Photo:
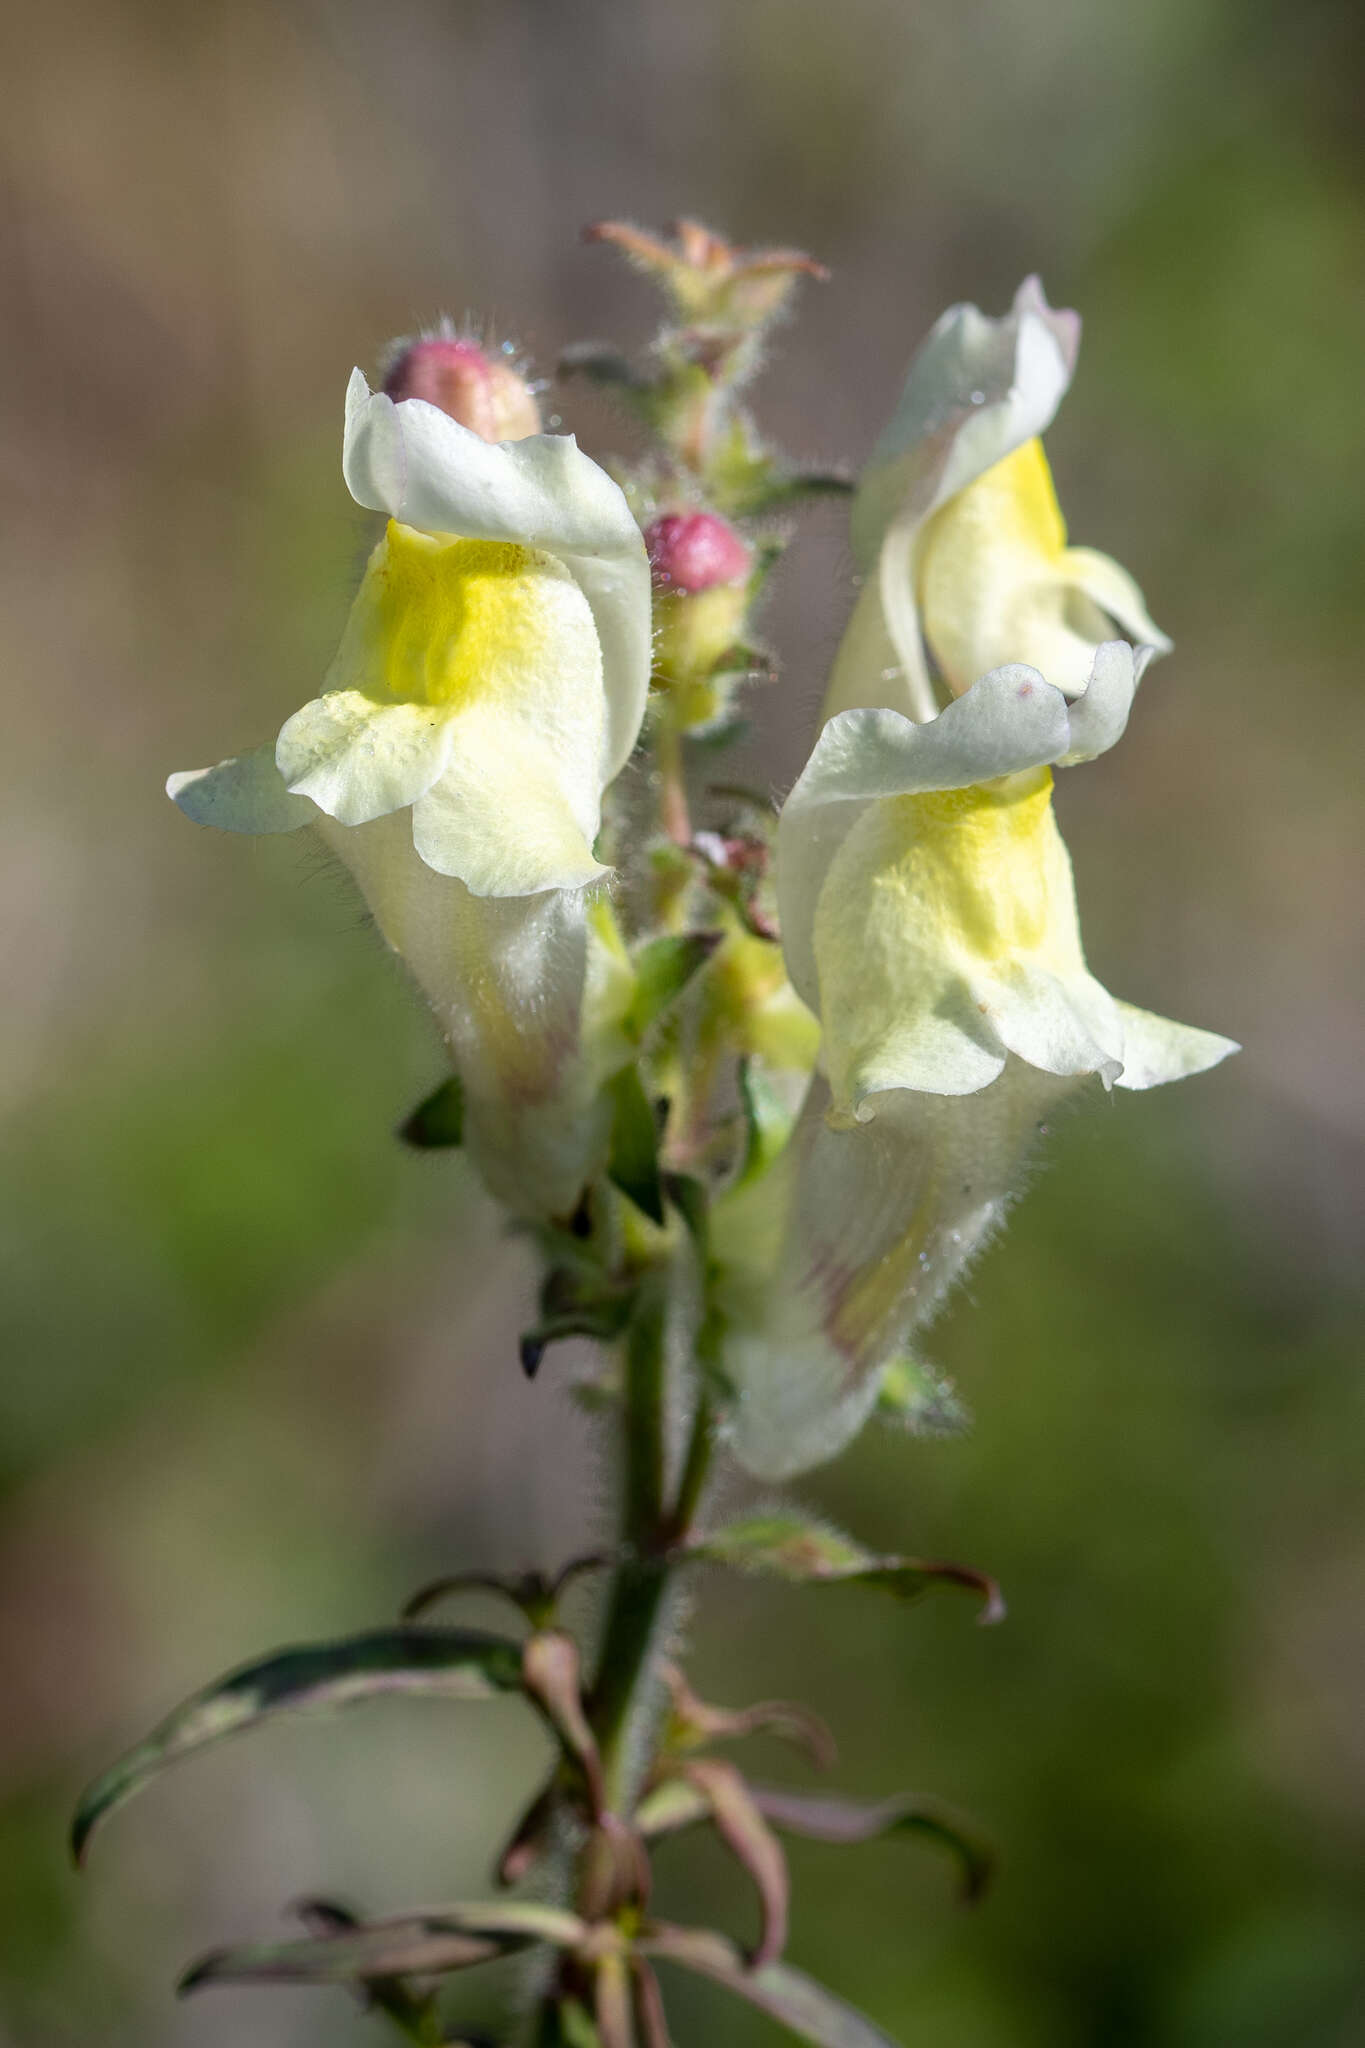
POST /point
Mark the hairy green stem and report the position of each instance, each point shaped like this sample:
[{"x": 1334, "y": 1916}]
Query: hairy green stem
[{"x": 653, "y": 1527}]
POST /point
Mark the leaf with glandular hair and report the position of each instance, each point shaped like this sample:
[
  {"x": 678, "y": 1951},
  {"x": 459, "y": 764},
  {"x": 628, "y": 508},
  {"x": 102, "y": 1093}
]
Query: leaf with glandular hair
[
  {"x": 832, "y": 1819},
  {"x": 803, "y": 1551},
  {"x": 412, "y": 1944},
  {"x": 633, "y": 1162},
  {"x": 552, "y": 1675},
  {"x": 916, "y": 1398},
  {"x": 788, "y": 1996},
  {"x": 695, "y": 1721},
  {"x": 461, "y": 1664},
  {"x": 439, "y": 1119},
  {"x": 663, "y": 968},
  {"x": 747, "y": 1835}
]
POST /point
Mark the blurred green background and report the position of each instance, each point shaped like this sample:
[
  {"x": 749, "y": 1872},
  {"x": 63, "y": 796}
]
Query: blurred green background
[{"x": 259, "y": 1374}]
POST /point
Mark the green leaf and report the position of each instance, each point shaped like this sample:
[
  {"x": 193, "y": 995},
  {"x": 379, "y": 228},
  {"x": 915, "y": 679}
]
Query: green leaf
[
  {"x": 459, "y": 1664},
  {"x": 767, "y": 1122},
  {"x": 417, "y": 1944},
  {"x": 788, "y": 1996},
  {"x": 821, "y": 1818},
  {"x": 633, "y": 1163},
  {"x": 803, "y": 1551},
  {"x": 921, "y": 1400},
  {"x": 439, "y": 1120},
  {"x": 663, "y": 968}
]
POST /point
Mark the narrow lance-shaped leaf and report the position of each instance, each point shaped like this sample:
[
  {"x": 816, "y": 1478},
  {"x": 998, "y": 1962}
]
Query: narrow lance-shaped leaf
[
  {"x": 415, "y": 2013},
  {"x": 663, "y": 968},
  {"x": 747, "y": 1835},
  {"x": 787, "y": 1995},
  {"x": 803, "y": 1551},
  {"x": 448, "y": 1663},
  {"x": 822, "y": 1818},
  {"x": 412, "y": 1944},
  {"x": 634, "y": 1159},
  {"x": 694, "y": 1722},
  {"x": 552, "y": 1675}
]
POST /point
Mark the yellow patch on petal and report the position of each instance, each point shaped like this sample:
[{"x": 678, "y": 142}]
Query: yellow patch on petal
[
  {"x": 980, "y": 864},
  {"x": 931, "y": 908},
  {"x": 989, "y": 578},
  {"x": 440, "y": 620}
]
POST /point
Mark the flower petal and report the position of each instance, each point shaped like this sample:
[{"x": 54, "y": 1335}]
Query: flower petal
[
  {"x": 1156, "y": 1050},
  {"x": 851, "y": 1240},
  {"x": 358, "y": 758},
  {"x": 246, "y": 794},
  {"x": 1099, "y": 716},
  {"x": 1008, "y": 721},
  {"x": 977, "y": 389},
  {"x": 508, "y": 816},
  {"x": 509, "y": 980},
  {"x": 414, "y": 462},
  {"x": 1109, "y": 586}
]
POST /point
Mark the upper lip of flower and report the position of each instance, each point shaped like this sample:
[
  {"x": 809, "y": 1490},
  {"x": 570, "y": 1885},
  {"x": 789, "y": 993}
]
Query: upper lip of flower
[
  {"x": 977, "y": 392},
  {"x": 506, "y": 790}
]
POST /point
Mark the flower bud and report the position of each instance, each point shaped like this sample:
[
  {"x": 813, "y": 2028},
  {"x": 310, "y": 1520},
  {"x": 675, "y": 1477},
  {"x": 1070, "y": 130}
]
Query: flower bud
[
  {"x": 694, "y": 551},
  {"x": 700, "y": 569},
  {"x": 482, "y": 392}
]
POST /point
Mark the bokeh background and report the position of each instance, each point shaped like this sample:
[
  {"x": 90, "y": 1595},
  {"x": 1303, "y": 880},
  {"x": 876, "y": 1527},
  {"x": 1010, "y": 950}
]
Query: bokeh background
[{"x": 258, "y": 1370}]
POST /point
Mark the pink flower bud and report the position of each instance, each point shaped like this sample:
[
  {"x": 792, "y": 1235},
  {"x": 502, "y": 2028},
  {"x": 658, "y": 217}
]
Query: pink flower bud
[
  {"x": 695, "y": 551},
  {"x": 480, "y": 391}
]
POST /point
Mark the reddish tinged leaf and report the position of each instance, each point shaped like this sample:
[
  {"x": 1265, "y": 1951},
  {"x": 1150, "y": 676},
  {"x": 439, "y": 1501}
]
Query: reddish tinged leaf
[
  {"x": 552, "y": 1675},
  {"x": 695, "y": 1721},
  {"x": 804, "y": 1551},
  {"x": 649, "y": 2008},
  {"x": 830, "y": 1819},
  {"x": 413, "y": 1944},
  {"x": 747, "y": 1834},
  {"x": 787, "y": 1995}
]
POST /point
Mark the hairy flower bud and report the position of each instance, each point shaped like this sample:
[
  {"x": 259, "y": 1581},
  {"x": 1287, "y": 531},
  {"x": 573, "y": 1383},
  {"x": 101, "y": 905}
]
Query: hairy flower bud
[
  {"x": 700, "y": 569},
  {"x": 694, "y": 551},
  {"x": 485, "y": 393}
]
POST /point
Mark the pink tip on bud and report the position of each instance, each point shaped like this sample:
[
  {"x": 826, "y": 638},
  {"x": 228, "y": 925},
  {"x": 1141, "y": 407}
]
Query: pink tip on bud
[
  {"x": 695, "y": 551},
  {"x": 480, "y": 391}
]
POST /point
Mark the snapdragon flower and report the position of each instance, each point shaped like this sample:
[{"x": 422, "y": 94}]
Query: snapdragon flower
[
  {"x": 929, "y": 920},
  {"x": 927, "y": 905},
  {"x": 957, "y": 529},
  {"x": 491, "y": 681}
]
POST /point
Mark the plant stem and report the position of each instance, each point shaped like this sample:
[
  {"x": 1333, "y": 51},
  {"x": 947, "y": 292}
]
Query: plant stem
[
  {"x": 674, "y": 814},
  {"x": 652, "y": 1530}
]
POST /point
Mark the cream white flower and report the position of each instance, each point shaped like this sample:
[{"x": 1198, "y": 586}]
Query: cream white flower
[
  {"x": 490, "y": 682},
  {"x": 958, "y": 533},
  {"x": 929, "y": 920}
]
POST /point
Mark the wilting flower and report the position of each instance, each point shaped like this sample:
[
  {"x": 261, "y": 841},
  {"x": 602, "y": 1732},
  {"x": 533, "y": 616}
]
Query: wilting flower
[
  {"x": 957, "y": 529},
  {"x": 929, "y": 919},
  {"x": 490, "y": 682}
]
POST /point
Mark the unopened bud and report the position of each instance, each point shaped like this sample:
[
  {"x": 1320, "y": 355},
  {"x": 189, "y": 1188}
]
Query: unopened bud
[
  {"x": 480, "y": 391},
  {"x": 694, "y": 551}
]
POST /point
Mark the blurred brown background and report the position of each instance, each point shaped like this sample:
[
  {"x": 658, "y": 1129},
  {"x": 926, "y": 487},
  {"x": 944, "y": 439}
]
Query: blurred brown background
[{"x": 259, "y": 1374}]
